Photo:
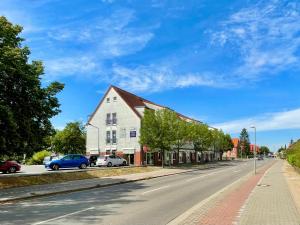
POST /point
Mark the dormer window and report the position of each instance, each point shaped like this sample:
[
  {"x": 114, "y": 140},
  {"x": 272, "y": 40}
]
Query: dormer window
[
  {"x": 107, "y": 100},
  {"x": 115, "y": 99}
]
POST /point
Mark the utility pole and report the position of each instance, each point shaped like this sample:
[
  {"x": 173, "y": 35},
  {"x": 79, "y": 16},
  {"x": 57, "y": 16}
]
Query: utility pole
[{"x": 254, "y": 151}]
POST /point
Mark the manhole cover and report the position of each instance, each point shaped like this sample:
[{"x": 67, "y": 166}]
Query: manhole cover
[{"x": 264, "y": 185}]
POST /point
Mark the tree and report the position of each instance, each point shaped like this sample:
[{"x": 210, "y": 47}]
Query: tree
[
  {"x": 244, "y": 145},
  {"x": 25, "y": 106},
  {"x": 70, "y": 140},
  {"x": 158, "y": 130},
  {"x": 200, "y": 136},
  {"x": 181, "y": 134},
  {"x": 264, "y": 150}
]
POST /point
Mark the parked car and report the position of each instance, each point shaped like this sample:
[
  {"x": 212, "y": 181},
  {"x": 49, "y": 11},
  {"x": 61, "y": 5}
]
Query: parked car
[
  {"x": 9, "y": 166},
  {"x": 50, "y": 158},
  {"x": 111, "y": 160},
  {"x": 68, "y": 161},
  {"x": 93, "y": 160}
]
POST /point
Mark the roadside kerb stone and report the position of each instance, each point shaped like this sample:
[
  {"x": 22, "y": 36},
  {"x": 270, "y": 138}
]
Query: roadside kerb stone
[{"x": 34, "y": 191}]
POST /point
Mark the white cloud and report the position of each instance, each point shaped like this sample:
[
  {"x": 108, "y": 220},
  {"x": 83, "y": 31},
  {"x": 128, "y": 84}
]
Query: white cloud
[
  {"x": 70, "y": 66},
  {"x": 267, "y": 35},
  {"x": 271, "y": 121},
  {"x": 155, "y": 78}
]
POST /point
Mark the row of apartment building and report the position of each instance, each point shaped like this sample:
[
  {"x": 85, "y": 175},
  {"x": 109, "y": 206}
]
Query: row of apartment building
[{"x": 114, "y": 128}]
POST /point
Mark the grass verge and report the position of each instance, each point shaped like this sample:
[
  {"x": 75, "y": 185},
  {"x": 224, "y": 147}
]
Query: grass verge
[{"x": 57, "y": 177}]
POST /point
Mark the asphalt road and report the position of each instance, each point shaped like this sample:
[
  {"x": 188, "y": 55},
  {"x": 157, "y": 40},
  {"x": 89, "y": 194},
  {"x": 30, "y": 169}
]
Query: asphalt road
[{"x": 149, "y": 202}]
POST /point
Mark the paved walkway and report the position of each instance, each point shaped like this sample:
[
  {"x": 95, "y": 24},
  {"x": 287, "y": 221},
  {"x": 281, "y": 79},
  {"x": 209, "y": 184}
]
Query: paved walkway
[
  {"x": 271, "y": 201},
  {"x": 263, "y": 199}
]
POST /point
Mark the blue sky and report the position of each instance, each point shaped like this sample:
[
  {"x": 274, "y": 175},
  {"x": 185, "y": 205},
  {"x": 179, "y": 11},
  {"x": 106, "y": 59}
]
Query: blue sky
[{"x": 230, "y": 64}]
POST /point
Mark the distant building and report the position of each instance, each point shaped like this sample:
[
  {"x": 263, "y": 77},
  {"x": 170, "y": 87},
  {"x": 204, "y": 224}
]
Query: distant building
[
  {"x": 252, "y": 147},
  {"x": 233, "y": 154},
  {"x": 114, "y": 128}
]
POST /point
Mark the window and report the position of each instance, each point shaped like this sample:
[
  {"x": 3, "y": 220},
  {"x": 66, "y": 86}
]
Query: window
[
  {"x": 68, "y": 157},
  {"x": 107, "y": 137},
  {"x": 107, "y": 152},
  {"x": 180, "y": 157},
  {"x": 114, "y": 136},
  {"x": 133, "y": 133},
  {"x": 108, "y": 120},
  {"x": 114, "y": 118},
  {"x": 76, "y": 157},
  {"x": 115, "y": 99},
  {"x": 114, "y": 152},
  {"x": 107, "y": 100}
]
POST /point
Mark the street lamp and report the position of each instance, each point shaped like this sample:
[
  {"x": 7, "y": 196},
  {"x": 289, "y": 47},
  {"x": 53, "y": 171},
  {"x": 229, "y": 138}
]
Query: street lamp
[
  {"x": 98, "y": 135},
  {"x": 254, "y": 151}
]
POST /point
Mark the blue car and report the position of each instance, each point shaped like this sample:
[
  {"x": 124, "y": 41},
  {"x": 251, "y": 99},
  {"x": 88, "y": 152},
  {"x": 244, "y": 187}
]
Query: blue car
[{"x": 68, "y": 161}]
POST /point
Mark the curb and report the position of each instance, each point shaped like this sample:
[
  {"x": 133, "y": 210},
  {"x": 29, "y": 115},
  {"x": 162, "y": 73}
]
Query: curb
[
  {"x": 88, "y": 188},
  {"x": 38, "y": 195}
]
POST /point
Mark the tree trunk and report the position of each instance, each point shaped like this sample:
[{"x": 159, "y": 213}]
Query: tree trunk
[{"x": 162, "y": 158}]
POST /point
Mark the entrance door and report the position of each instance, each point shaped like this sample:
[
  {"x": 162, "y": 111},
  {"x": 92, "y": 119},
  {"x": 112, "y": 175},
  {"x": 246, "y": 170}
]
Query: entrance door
[{"x": 131, "y": 159}]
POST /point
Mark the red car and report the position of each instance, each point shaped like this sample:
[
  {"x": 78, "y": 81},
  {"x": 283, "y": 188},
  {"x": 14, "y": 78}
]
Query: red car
[{"x": 9, "y": 166}]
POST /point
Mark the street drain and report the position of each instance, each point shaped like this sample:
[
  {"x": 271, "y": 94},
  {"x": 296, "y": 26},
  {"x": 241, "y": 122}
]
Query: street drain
[{"x": 264, "y": 185}]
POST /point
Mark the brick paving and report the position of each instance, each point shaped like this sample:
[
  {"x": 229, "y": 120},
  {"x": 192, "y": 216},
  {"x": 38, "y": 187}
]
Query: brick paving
[
  {"x": 225, "y": 207},
  {"x": 271, "y": 202}
]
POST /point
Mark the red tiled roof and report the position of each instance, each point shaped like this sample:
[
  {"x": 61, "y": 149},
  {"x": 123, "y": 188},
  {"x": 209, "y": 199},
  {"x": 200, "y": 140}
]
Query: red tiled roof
[
  {"x": 133, "y": 101},
  {"x": 235, "y": 142}
]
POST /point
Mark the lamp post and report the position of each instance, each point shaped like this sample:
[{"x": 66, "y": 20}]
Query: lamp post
[
  {"x": 98, "y": 135},
  {"x": 254, "y": 151}
]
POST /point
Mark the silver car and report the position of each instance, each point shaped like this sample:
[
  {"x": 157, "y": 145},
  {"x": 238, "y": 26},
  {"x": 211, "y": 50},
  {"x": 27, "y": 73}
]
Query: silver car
[{"x": 111, "y": 160}]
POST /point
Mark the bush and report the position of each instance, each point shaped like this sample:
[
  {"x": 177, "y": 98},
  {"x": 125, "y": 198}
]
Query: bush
[
  {"x": 293, "y": 154},
  {"x": 38, "y": 157}
]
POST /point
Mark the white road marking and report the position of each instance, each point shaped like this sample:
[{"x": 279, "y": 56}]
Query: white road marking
[
  {"x": 206, "y": 175},
  {"x": 66, "y": 215},
  {"x": 163, "y": 187}
]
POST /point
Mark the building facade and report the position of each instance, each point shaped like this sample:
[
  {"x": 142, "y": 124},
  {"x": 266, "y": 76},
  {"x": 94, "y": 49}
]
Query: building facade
[{"x": 114, "y": 128}]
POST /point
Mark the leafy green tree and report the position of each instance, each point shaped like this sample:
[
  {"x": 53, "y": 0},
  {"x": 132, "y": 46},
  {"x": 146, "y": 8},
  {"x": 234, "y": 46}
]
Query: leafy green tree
[
  {"x": 70, "y": 140},
  {"x": 200, "y": 136},
  {"x": 25, "y": 106},
  {"x": 182, "y": 129},
  {"x": 244, "y": 146},
  {"x": 158, "y": 130},
  {"x": 264, "y": 150}
]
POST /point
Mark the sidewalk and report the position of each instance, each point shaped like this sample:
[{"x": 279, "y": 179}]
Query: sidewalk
[
  {"x": 261, "y": 199},
  {"x": 271, "y": 201}
]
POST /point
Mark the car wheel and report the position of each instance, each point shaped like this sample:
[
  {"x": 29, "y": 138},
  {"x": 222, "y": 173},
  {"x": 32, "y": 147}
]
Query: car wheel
[
  {"x": 83, "y": 166},
  {"x": 55, "y": 167},
  {"x": 124, "y": 163},
  {"x": 109, "y": 164},
  {"x": 12, "y": 169}
]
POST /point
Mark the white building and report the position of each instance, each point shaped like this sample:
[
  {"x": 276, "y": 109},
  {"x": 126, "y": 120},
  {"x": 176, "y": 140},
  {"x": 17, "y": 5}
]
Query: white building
[{"x": 114, "y": 127}]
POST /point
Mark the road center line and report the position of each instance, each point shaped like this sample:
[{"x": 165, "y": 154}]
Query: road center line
[
  {"x": 163, "y": 187},
  {"x": 66, "y": 215}
]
